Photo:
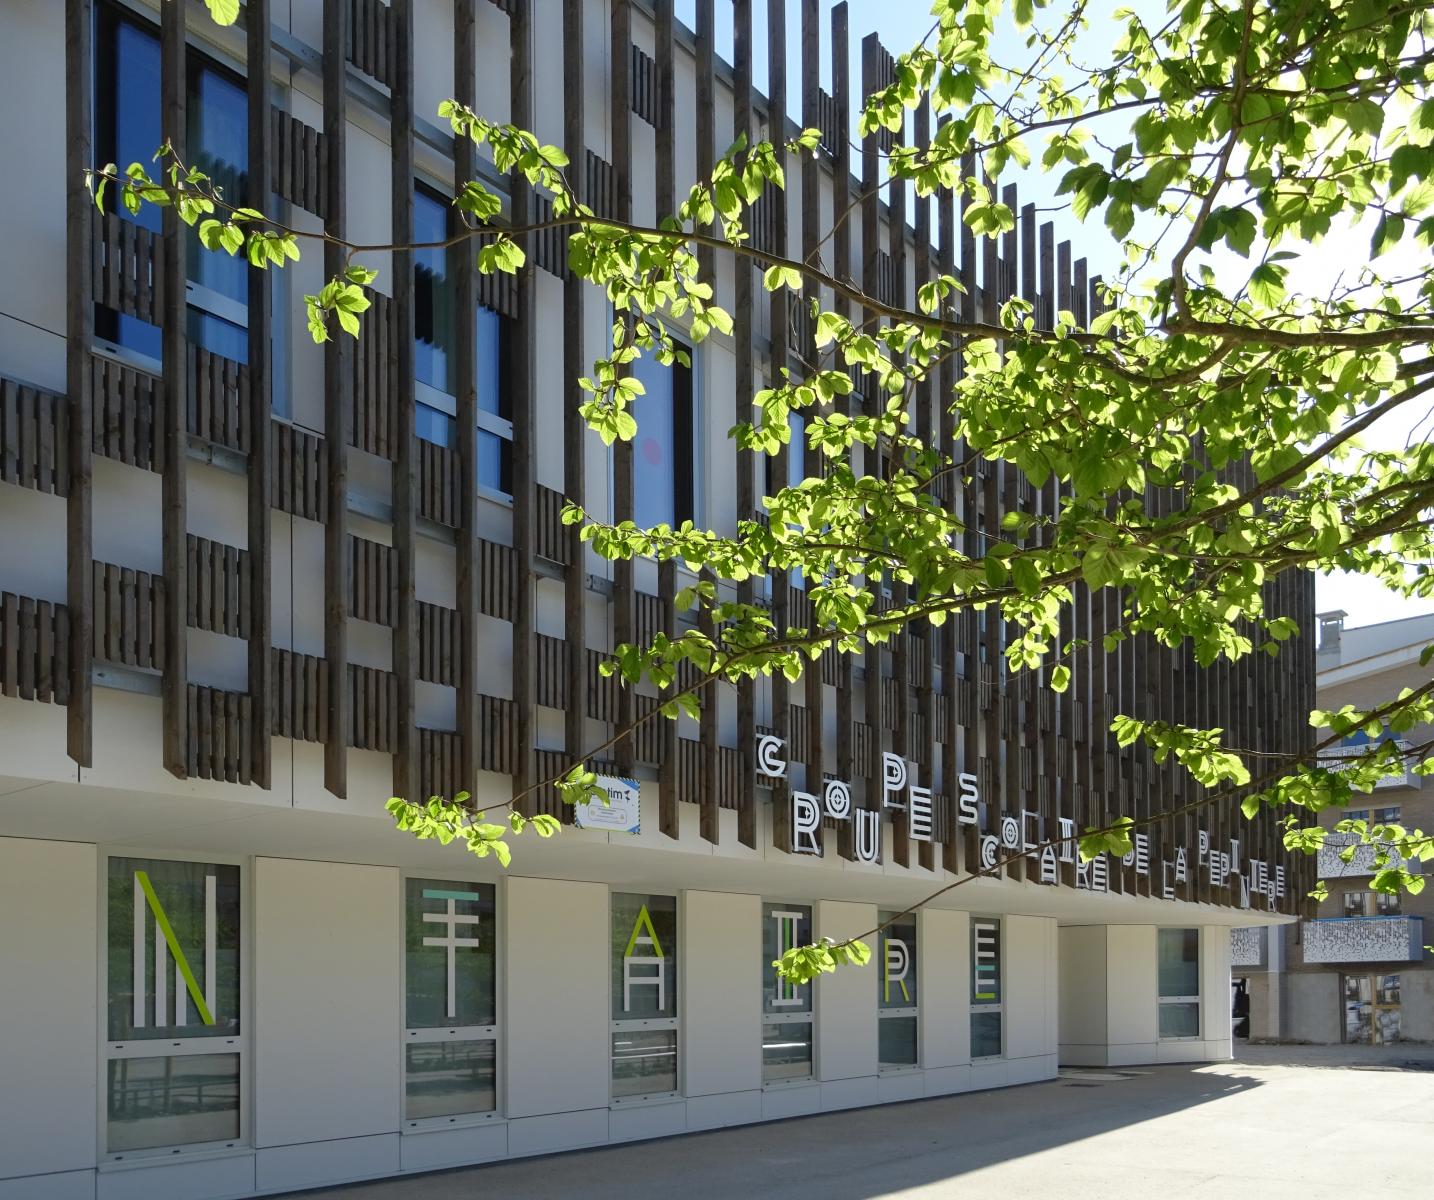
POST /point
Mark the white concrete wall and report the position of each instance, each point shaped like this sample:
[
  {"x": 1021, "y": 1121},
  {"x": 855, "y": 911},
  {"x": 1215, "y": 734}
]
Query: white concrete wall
[
  {"x": 1082, "y": 995},
  {"x": 1215, "y": 1023},
  {"x": 555, "y": 985},
  {"x": 49, "y": 959},
  {"x": 944, "y": 961},
  {"x": 326, "y": 1024},
  {"x": 846, "y": 1012},
  {"x": 721, "y": 999},
  {"x": 1132, "y": 1018}
]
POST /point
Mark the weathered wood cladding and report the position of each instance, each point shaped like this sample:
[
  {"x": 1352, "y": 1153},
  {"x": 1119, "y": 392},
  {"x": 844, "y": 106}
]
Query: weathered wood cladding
[{"x": 941, "y": 698}]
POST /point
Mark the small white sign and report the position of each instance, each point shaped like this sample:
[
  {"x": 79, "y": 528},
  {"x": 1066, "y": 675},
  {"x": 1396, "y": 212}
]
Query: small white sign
[{"x": 621, "y": 814}]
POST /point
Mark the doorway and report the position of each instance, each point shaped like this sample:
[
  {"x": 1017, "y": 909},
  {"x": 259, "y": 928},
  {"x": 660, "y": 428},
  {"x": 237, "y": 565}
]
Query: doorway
[{"x": 1371, "y": 1009}]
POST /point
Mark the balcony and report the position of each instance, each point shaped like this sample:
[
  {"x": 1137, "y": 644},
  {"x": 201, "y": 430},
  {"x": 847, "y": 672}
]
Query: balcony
[
  {"x": 1330, "y": 866},
  {"x": 1248, "y": 947},
  {"x": 1400, "y": 777},
  {"x": 1363, "y": 940}
]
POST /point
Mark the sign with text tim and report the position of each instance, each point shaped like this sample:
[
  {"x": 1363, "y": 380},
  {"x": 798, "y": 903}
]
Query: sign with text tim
[{"x": 622, "y": 813}]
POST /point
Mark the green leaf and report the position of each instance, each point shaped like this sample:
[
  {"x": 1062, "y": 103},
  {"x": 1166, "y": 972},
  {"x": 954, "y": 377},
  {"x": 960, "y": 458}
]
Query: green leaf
[{"x": 224, "y": 12}]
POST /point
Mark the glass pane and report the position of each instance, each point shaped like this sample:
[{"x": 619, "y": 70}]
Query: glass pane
[
  {"x": 219, "y": 146},
  {"x": 786, "y": 1051},
  {"x": 1180, "y": 1020},
  {"x": 784, "y": 926},
  {"x": 896, "y": 979},
  {"x": 1353, "y": 904},
  {"x": 896, "y": 1041},
  {"x": 443, "y": 1079},
  {"x": 644, "y": 1062},
  {"x": 173, "y": 949},
  {"x": 986, "y": 961},
  {"x": 492, "y": 396},
  {"x": 432, "y": 425},
  {"x": 1357, "y": 987},
  {"x": 1357, "y": 1026},
  {"x": 1387, "y": 1024},
  {"x": 127, "y": 92},
  {"x": 986, "y": 1035},
  {"x": 644, "y": 956},
  {"x": 449, "y": 942},
  {"x": 172, "y": 1101},
  {"x": 495, "y": 462},
  {"x": 433, "y": 315},
  {"x": 1179, "y": 958},
  {"x": 218, "y": 336},
  {"x": 1387, "y": 904},
  {"x": 655, "y": 445},
  {"x": 1386, "y": 989}
]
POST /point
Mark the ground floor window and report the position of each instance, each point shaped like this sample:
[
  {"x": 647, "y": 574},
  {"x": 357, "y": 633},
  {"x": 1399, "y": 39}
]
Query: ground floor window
[
  {"x": 987, "y": 988},
  {"x": 450, "y": 1066},
  {"x": 1371, "y": 1009},
  {"x": 644, "y": 995},
  {"x": 1178, "y": 956},
  {"x": 786, "y": 1007},
  {"x": 896, "y": 991},
  {"x": 174, "y": 1045}
]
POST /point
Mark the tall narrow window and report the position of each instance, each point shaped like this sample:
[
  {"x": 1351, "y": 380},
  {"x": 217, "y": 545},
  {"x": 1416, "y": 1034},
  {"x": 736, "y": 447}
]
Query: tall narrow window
[
  {"x": 435, "y": 329},
  {"x": 174, "y": 1044},
  {"x": 127, "y": 129},
  {"x": 987, "y": 992},
  {"x": 644, "y": 996},
  {"x": 664, "y": 450},
  {"x": 786, "y": 1007},
  {"x": 451, "y": 1038},
  {"x": 896, "y": 993},
  {"x": 1178, "y": 956}
]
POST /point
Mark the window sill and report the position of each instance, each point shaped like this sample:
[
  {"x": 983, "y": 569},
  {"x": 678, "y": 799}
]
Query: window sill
[
  {"x": 417, "y": 1127},
  {"x": 654, "y": 1101},
  {"x": 133, "y": 1160},
  {"x": 785, "y": 1085},
  {"x": 897, "y": 1068}
]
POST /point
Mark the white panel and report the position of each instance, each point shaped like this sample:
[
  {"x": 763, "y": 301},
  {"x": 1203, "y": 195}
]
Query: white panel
[
  {"x": 646, "y": 1121},
  {"x": 797, "y": 1100},
  {"x": 48, "y": 1004},
  {"x": 846, "y": 998},
  {"x": 556, "y": 985},
  {"x": 1030, "y": 971},
  {"x": 429, "y": 1149},
  {"x": 563, "y": 1131},
  {"x": 989, "y": 1073},
  {"x": 327, "y": 1001},
  {"x": 1130, "y": 981},
  {"x": 1215, "y": 990},
  {"x": 944, "y": 966},
  {"x": 895, "y": 1086},
  {"x": 731, "y": 1108},
  {"x": 69, "y": 1185},
  {"x": 193, "y": 1179},
  {"x": 721, "y": 992},
  {"x": 943, "y": 1081},
  {"x": 849, "y": 1093},
  {"x": 1082, "y": 990},
  {"x": 285, "y": 1167}
]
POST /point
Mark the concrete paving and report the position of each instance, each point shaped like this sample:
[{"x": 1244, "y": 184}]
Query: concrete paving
[{"x": 1265, "y": 1125}]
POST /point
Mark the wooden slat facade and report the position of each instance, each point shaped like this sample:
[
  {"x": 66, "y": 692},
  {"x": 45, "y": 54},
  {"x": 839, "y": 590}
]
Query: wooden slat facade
[{"x": 943, "y": 699}]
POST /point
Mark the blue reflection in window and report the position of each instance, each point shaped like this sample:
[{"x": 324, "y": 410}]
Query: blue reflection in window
[
  {"x": 495, "y": 462},
  {"x": 662, "y": 477},
  {"x": 218, "y": 119},
  {"x": 433, "y": 425},
  {"x": 433, "y": 325},
  {"x": 492, "y": 395}
]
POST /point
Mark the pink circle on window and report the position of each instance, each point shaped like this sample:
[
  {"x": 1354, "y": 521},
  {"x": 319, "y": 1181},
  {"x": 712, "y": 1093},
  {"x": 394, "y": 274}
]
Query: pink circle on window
[{"x": 652, "y": 451}]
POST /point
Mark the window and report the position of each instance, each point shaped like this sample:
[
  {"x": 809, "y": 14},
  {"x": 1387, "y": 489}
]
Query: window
[
  {"x": 1371, "y": 904},
  {"x": 644, "y": 996},
  {"x": 1178, "y": 958},
  {"x": 987, "y": 995},
  {"x": 786, "y": 1007},
  {"x": 435, "y": 327},
  {"x": 174, "y": 1042},
  {"x": 127, "y": 129},
  {"x": 896, "y": 992},
  {"x": 449, "y": 959},
  {"x": 1372, "y": 1012},
  {"x": 664, "y": 476}
]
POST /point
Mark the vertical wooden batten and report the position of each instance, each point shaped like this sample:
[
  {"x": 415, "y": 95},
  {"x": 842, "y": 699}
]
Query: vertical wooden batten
[
  {"x": 523, "y": 396},
  {"x": 706, "y": 148},
  {"x": 404, "y": 475},
  {"x": 575, "y": 365},
  {"x": 338, "y": 357},
  {"x": 666, "y": 196},
  {"x": 173, "y": 488},
  {"x": 79, "y": 334},
  {"x": 261, "y": 379},
  {"x": 624, "y": 616},
  {"x": 742, "y": 411},
  {"x": 465, "y": 88}
]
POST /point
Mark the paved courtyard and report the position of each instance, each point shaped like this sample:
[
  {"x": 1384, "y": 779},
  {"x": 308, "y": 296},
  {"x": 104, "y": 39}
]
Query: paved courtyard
[{"x": 1260, "y": 1126}]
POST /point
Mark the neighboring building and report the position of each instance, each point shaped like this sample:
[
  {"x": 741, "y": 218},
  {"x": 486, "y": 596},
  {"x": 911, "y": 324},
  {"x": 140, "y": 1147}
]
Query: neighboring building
[
  {"x": 1359, "y": 971},
  {"x": 226, "y": 639}
]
